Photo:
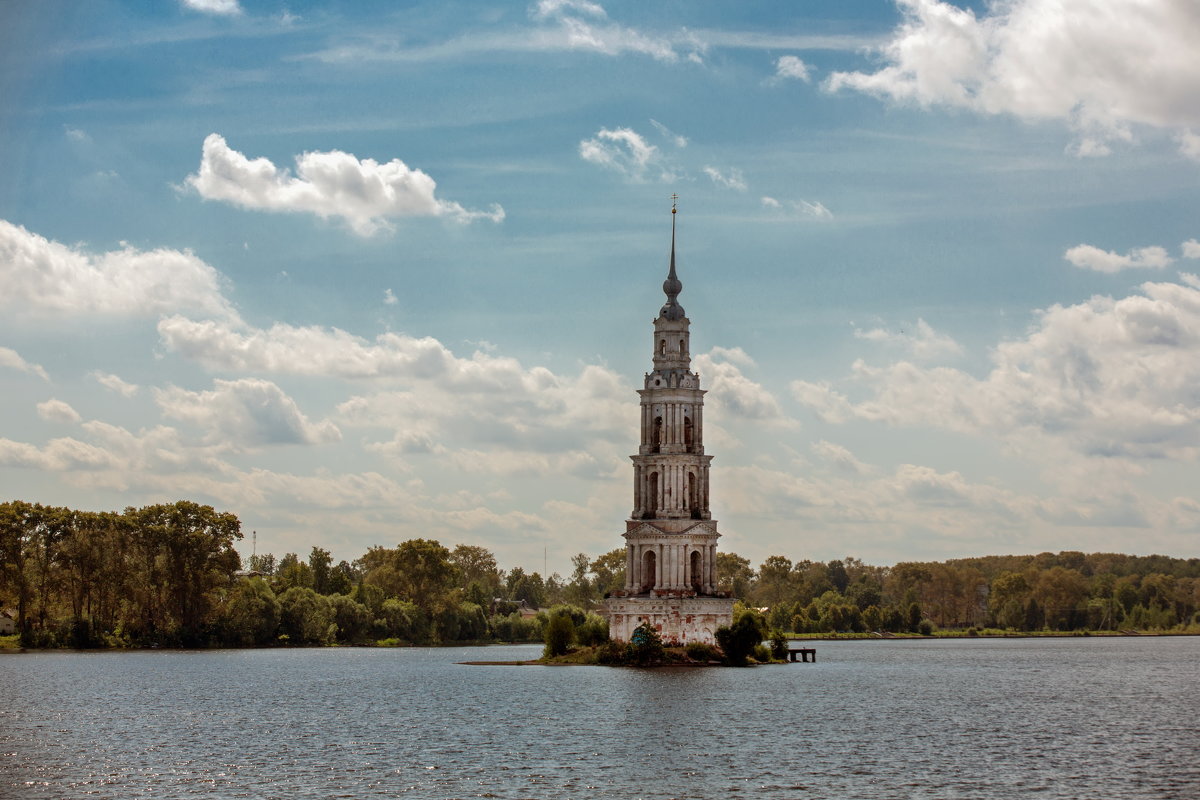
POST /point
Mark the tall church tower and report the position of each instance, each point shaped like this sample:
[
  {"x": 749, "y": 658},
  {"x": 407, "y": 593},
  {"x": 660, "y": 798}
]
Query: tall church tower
[{"x": 671, "y": 537}]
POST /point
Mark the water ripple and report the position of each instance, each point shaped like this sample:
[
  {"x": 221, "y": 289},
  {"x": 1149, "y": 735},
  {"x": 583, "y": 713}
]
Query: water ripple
[{"x": 1055, "y": 719}]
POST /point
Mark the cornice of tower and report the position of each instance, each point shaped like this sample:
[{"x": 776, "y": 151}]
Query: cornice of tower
[{"x": 643, "y": 529}]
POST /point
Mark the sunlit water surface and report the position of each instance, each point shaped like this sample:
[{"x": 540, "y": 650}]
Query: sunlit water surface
[{"x": 1020, "y": 718}]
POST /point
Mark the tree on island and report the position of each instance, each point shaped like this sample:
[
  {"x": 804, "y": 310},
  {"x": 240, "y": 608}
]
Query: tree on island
[{"x": 737, "y": 641}]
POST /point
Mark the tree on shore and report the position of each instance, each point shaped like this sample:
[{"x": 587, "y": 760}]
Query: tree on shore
[{"x": 168, "y": 574}]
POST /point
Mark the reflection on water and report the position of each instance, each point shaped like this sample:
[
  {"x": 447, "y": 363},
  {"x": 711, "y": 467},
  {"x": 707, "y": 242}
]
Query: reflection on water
[{"x": 1055, "y": 718}]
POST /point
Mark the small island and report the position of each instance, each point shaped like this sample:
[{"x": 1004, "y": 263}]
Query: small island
[{"x": 570, "y": 642}]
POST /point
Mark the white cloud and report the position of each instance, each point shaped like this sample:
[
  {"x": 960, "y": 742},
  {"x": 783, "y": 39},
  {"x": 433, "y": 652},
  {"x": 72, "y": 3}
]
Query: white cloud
[
  {"x": 11, "y": 359},
  {"x": 1104, "y": 378},
  {"x": 114, "y": 384},
  {"x": 364, "y": 193},
  {"x": 793, "y": 209},
  {"x": 732, "y": 391},
  {"x": 1102, "y": 67},
  {"x": 221, "y": 7},
  {"x": 839, "y": 457},
  {"x": 913, "y": 497},
  {"x": 620, "y": 149},
  {"x": 55, "y": 410},
  {"x": 245, "y": 412},
  {"x": 791, "y": 67},
  {"x": 1085, "y": 256},
  {"x": 577, "y": 463},
  {"x": 734, "y": 355},
  {"x": 558, "y": 25},
  {"x": 669, "y": 135},
  {"x": 1191, "y": 249},
  {"x": 44, "y": 277},
  {"x": 293, "y": 350},
  {"x": 510, "y": 408},
  {"x": 924, "y": 343},
  {"x": 581, "y": 27},
  {"x": 553, "y": 8},
  {"x": 449, "y": 403},
  {"x": 58, "y": 455},
  {"x": 813, "y": 209},
  {"x": 389, "y": 298},
  {"x": 1189, "y": 144},
  {"x": 730, "y": 180}
]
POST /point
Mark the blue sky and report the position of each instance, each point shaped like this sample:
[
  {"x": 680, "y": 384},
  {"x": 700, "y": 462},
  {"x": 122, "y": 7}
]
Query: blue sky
[{"x": 363, "y": 272}]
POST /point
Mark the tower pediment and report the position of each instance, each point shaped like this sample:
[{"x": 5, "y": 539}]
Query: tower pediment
[{"x": 638, "y": 529}]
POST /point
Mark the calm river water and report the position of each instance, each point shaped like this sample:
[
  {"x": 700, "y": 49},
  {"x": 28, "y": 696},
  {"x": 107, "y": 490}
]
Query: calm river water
[{"x": 1018, "y": 718}]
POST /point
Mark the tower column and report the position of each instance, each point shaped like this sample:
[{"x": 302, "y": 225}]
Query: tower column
[
  {"x": 629, "y": 568},
  {"x": 673, "y": 560},
  {"x": 712, "y": 568},
  {"x": 677, "y": 479},
  {"x": 671, "y": 570},
  {"x": 674, "y": 566},
  {"x": 658, "y": 567}
]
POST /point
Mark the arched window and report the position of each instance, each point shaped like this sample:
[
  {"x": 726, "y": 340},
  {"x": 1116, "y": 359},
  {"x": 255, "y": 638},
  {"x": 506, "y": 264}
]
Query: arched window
[
  {"x": 656, "y": 435},
  {"x": 697, "y": 578},
  {"x": 682, "y": 349},
  {"x": 687, "y": 433},
  {"x": 662, "y": 347},
  {"x": 651, "y": 496},
  {"x": 649, "y": 570}
]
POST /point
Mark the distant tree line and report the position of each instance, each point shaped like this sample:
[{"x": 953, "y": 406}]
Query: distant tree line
[
  {"x": 1065, "y": 591},
  {"x": 169, "y": 575}
]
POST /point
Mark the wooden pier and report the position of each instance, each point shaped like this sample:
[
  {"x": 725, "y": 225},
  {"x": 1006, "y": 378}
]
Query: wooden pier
[{"x": 803, "y": 653}]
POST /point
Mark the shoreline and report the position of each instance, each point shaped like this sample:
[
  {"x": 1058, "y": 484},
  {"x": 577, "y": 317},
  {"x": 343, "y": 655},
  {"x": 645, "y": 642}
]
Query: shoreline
[
  {"x": 831, "y": 637},
  {"x": 902, "y": 637}
]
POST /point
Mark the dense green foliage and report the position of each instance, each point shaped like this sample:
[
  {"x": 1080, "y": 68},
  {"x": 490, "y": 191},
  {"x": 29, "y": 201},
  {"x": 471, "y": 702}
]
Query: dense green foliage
[
  {"x": 560, "y": 631},
  {"x": 169, "y": 575},
  {"x": 645, "y": 646},
  {"x": 159, "y": 574},
  {"x": 1050, "y": 591},
  {"x": 741, "y": 639}
]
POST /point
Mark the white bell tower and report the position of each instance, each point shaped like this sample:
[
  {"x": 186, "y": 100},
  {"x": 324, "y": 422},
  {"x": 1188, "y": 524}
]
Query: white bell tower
[{"x": 671, "y": 537}]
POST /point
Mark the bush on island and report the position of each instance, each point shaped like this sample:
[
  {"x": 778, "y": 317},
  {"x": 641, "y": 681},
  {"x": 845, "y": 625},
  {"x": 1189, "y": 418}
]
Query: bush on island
[
  {"x": 611, "y": 653},
  {"x": 702, "y": 652},
  {"x": 593, "y": 631},
  {"x": 779, "y": 646},
  {"x": 737, "y": 641},
  {"x": 645, "y": 645}
]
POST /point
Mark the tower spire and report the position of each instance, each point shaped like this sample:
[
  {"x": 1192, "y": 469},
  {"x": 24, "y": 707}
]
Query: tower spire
[{"x": 672, "y": 286}]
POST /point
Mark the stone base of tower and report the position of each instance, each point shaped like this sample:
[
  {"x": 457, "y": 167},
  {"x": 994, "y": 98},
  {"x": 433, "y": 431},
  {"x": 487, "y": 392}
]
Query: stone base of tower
[{"x": 678, "y": 620}]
